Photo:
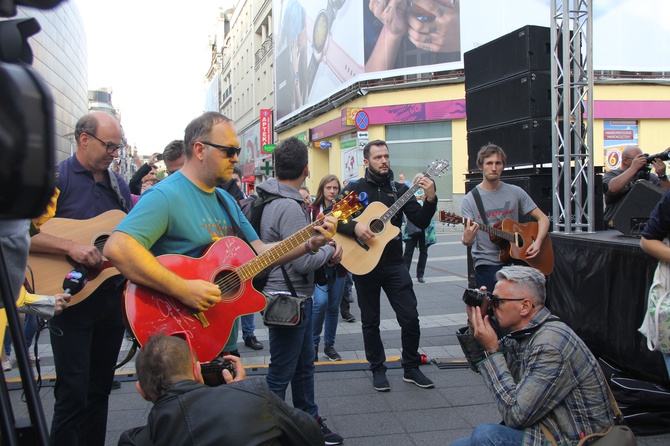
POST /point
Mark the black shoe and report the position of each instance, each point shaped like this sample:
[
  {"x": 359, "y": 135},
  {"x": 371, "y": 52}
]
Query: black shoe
[
  {"x": 416, "y": 376},
  {"x": 332, "y": 353},
  {"x": 116, "y": 385},
  {"x": 348, "y": 317},
  {"x": 421, "y": 280},
  {"x": 252, "y": 342},
  {"x": 379, "y": 381},
  {"x": 330, "y": 437}
]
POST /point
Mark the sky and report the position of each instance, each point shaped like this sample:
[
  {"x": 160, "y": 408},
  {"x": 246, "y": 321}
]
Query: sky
[{"x": 154, "y": 56}]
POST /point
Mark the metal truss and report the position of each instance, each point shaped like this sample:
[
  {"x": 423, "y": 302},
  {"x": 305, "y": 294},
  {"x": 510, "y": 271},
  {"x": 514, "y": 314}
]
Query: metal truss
[{"x": 572, "y": 108}]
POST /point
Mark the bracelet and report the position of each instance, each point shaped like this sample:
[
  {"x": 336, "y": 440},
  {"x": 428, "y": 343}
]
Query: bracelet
[{"x": 309, "y": 250}]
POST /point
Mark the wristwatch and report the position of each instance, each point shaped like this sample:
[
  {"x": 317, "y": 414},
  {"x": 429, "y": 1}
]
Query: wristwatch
[{"x": 346, "y": 67}]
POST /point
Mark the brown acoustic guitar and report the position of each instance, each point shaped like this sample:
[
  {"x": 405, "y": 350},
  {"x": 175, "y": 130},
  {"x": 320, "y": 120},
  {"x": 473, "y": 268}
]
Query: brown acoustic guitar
[
  {"x": 513, "y": 238},
  {"x": 360, "y": 257},
  {"x": 49, "y": 270}
]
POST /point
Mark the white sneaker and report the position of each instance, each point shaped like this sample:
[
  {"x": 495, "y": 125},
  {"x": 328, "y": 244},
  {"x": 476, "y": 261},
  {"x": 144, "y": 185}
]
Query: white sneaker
[{"x": 7, "y": 365}]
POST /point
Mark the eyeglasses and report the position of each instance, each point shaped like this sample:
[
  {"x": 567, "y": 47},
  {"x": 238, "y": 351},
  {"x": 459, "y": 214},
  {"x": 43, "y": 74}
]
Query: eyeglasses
[
  {"x": 183, "y": 335},
  {"x": 230, "y": 151},
  {"x": 110, "y": 147},
  {"x": 495, "y": 300}
]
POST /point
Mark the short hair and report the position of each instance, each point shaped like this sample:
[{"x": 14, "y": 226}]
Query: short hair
[
  {"x": 161, "y": 362},
  {"x": 416, "y": 178},
  {"x": 530, "y": 278},
  {"x": 87, "y": 124},
  {"x": 290, "y": 158},
  {"x": 174, "y": 150},
  {"x": 237, "y": 171},
  {"x": 488, "y": 150},
  {"x": 201, "y": 129},
  {"x": 376, "y": 142}
]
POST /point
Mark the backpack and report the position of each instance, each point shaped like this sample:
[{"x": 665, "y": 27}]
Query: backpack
[{"x": 252, "y": 208}]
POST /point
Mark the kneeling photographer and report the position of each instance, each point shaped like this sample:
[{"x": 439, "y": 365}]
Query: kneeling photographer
[
  {"x": 543, "y": 378},
  {"x": 635, "y": 166},
  {"x": 189, "y": 409}
]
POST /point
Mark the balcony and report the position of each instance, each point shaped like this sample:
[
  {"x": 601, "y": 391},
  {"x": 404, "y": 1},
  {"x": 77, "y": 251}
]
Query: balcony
[{"x": 264, "y": 50}]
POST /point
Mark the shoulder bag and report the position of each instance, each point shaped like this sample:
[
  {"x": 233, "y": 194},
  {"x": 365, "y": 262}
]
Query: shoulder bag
[{"x": 284, "y": 309}]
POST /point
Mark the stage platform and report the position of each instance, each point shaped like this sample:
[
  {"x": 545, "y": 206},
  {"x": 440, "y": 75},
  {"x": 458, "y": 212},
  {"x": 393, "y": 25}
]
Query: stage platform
[{"x": 599, "y": 287}]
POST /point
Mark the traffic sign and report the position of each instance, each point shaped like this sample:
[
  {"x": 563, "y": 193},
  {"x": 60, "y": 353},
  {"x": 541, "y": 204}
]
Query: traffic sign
[{"x": 362, "y": 120}]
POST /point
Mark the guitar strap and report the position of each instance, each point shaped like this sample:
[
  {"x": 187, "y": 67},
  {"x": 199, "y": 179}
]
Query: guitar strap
[
  {"x": 480, "y": 205},
  {"x": 115, "y": 185},
  {"x": 233, "y": 223}
]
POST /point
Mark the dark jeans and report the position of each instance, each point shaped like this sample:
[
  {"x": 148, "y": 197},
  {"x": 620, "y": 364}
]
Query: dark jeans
[
  {"x": 397, "y": 284},
  {"x": 292, "y": 362},
  {"x": 410, "y": 245},
  {"x": 86, "y": 340},
  {"x": 486, "y": 276},
  {"x": 345, "y": 303}
]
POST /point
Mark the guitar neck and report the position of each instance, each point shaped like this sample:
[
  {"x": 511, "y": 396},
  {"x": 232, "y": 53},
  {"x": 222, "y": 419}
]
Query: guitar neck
[
  {"x": 497, "y": 232},
  {"x": 269, "y": 257},
  {"x": 388, "y": 215}
]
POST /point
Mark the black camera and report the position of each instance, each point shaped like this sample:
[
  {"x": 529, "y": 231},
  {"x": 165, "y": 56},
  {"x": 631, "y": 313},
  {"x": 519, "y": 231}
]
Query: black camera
[
  {"x": 159, "y": 157},
  {"x": 212, "y": 371},
  {"x": 663, "y": 156},
  {"x": 474, "y": 297}
]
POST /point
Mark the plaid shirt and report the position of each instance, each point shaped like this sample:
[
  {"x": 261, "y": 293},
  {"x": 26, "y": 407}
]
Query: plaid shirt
[{"x": 548, "y": 374}]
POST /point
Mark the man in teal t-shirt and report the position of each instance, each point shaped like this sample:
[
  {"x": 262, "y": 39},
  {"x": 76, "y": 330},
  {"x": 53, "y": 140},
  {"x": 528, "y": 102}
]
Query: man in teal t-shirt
[{"x": 183, "y": 215}]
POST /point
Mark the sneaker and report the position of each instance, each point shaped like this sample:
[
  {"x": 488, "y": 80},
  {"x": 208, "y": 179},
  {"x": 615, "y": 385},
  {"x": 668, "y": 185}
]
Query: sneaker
[
  {"x": 253, "y": 343},
  {"x": 316, "y": 352},
  {"x": 416, "y": 376},
  {"x": 32, "y": 358},
  {"x": 116, "y": 384},
  {"x": 348, "y": 317},
  {"x": 379, "y": 381},
  {"x": 332, "y": 353},
  {"x": 7, "y": 365},
  {"x": 329, "y": 436},
  {"x": 421, "y": 280}
]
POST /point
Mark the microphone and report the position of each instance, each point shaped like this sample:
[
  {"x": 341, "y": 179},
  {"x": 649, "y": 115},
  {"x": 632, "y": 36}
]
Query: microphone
[{"x": 75, "y": 281}]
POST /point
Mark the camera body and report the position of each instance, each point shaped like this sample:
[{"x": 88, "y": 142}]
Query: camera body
[
  {"x": 663, "y": 156},
  {"x": 212, "y": 371},
  {"x": 159, "y": 157},
  {"x": 474, "y": 297}
]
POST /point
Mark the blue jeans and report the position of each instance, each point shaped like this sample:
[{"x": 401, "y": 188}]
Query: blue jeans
[
  {"x": 248, "y": 325},
  {"x": 326, "y": 306},
  {"x": 492, "y": 435},
  {"x": 486, "y": 276},
  {"x": 292, "y": 361},
  {"x": 86, "y": 340}
]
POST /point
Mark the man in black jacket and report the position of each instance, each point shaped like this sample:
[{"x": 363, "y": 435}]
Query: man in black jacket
[
  {"x": 391, "y": 274},
  {"x": 186, "y": 412}
]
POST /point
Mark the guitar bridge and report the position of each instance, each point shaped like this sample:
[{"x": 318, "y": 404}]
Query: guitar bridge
[{"x": 362, "y": 244}]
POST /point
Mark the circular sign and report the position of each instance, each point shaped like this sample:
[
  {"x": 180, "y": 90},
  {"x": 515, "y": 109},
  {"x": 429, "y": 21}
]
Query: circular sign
[
  {"x": 613, "y": 158},
  {"x": 362, "y": 120}
]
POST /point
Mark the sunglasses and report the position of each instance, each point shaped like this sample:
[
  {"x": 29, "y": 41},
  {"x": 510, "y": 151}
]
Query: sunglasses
[
  {"x": 495, "y": 300},
  {"x": 230, "y": 151}
]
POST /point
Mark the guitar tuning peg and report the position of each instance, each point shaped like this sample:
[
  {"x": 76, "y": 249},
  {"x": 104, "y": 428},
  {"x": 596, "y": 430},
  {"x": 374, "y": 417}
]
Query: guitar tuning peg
[{"x": 363, "y": 198}]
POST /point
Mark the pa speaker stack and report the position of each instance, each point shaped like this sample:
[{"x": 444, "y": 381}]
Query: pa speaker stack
[{"x": 508, "y": 96}]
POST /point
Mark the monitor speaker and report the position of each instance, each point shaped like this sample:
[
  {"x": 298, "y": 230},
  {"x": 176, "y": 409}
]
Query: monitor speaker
[{"x": 636, "y": 207}]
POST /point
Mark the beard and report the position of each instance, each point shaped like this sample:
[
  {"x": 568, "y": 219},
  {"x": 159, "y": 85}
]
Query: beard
[{"x": 377, "y": 175}]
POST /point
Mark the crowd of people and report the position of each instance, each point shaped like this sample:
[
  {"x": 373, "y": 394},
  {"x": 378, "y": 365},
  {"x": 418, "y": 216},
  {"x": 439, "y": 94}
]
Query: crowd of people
[{"x": 541, "y": 376}]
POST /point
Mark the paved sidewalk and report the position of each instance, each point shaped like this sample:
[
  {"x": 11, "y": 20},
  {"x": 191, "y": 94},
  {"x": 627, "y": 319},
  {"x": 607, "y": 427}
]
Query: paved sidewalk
[{"x": 408, "y": 415}]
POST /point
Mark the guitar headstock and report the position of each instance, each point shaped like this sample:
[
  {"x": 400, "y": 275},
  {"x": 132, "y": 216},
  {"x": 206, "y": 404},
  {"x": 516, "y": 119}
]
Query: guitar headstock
[
  {"x": 437, "y": 167},
  {"x": 347, "y": 206},
  {"x": 450, "y": 217}
]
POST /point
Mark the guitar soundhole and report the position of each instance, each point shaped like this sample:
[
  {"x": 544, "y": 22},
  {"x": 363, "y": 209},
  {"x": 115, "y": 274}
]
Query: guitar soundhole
[
  {"x": 228, "y": 283},
  {"x": 100, "y": 241},
  {"x": 520, "y": 240},
  {"x": 376, "y": 226}
]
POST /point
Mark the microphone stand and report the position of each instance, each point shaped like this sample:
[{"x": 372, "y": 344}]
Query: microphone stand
[{"x": 19, "y": 432}]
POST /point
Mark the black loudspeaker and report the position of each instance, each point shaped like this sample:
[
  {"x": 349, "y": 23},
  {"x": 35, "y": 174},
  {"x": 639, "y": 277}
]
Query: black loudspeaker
[
  {"x": 526, "y": 142},
  {"x": 524, "y": 96},
  {"x": 528, "y": 48},
  {"x": 636, "y": 207}
]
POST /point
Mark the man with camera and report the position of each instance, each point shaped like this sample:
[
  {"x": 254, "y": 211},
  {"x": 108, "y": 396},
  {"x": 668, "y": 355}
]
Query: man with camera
[
  {"x": 186, "y": 411},
  {"x": 635, "y": 166},
  {"x": 539, "y": 372}
]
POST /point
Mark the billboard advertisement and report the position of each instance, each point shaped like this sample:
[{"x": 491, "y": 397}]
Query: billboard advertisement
[{"x": 324, "y": 46}]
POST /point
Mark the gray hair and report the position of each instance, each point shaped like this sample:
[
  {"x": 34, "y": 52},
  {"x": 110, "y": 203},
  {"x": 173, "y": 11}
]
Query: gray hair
[{"x": 530, "y": 278}]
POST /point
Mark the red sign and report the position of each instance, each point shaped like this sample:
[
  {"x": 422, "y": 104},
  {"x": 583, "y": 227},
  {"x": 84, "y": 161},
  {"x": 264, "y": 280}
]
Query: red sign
[
  {"x": 266, "y": 127},
  {"x": 362, "y": 120}
]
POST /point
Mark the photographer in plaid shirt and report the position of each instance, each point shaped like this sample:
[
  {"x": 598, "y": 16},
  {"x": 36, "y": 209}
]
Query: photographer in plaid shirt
[{"x": 539, "y": 371}]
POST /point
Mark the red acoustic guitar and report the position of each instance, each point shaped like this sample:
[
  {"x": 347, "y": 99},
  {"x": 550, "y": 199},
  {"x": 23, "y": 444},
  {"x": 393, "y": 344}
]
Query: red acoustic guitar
[
  {"x": 514, "y": 239},
  {"x": 229, "y": 263}
]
